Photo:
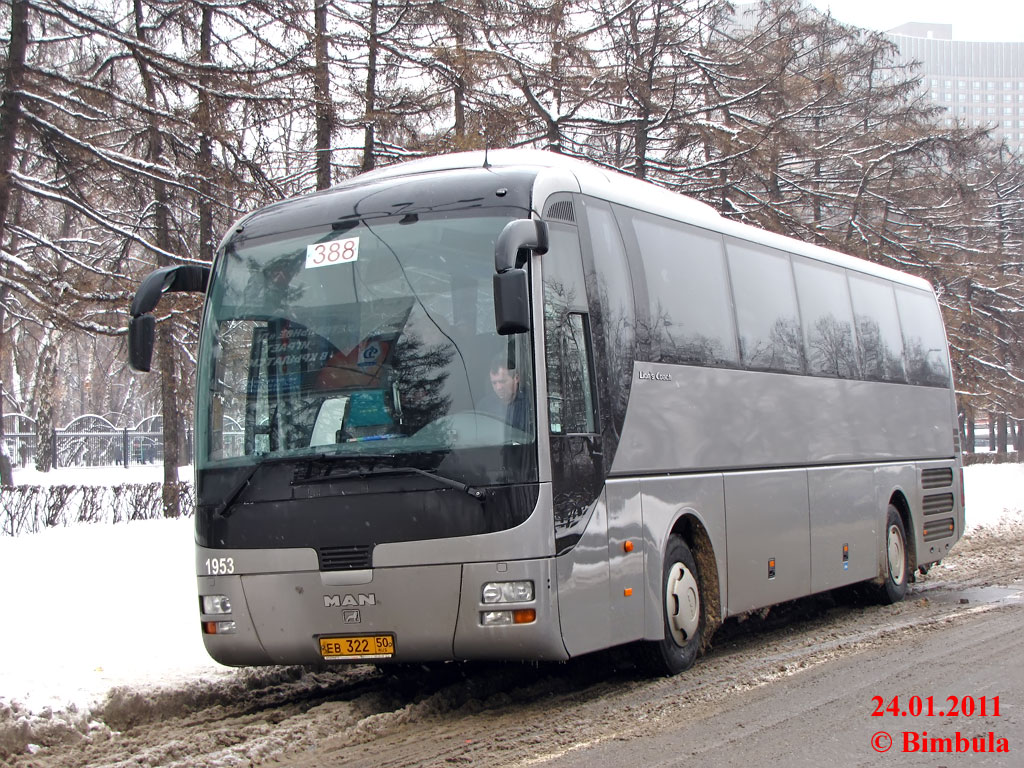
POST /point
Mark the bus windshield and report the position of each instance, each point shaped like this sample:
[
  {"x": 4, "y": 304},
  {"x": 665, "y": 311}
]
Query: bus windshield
[{"x": 366, "y": 340}]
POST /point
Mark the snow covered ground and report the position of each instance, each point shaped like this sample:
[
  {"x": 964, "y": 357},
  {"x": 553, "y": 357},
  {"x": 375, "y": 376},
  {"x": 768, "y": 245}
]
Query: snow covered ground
[{"x": 92, "y": 607}]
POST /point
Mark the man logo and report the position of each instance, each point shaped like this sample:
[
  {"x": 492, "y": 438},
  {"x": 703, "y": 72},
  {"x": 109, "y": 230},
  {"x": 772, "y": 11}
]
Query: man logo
[{"x": 349, "y": 601}]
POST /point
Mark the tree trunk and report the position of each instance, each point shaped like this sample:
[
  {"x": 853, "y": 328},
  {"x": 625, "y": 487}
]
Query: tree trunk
[
  {"x": 170, "y": 410},
  {"x": 322, "y": 97},
  {"x": 10, "y": 108},
  {"x": 1001, "y": 433},
  {"x": 10, "y": 113},
  {"x": 459, "y": 90},
  {"x": 203, "y": 120},
  {"x": 45, "y": 382},
  {"x": 369, "y": 136},
  {"x": 6, "y": 471},
  {"x": 641, "y": 135}
]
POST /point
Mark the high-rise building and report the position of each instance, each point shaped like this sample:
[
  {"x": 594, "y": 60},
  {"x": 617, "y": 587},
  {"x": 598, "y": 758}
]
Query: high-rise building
[{"x": 978, "y": 84}]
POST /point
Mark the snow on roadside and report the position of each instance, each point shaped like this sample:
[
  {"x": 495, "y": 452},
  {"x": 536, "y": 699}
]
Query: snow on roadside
[
  {"x": 136, "y": 473},
  {"x": 993, "y": 494}
]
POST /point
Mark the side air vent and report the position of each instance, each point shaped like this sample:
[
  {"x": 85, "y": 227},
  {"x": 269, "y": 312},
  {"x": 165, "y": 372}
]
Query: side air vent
[
  {"x": 938, "y": 503},
  {"x": 561, "y": 210},
  {"x": 940, "y": 477},
  {"x": 348, "y": 558},
  {"x": 938, "y": 529}
]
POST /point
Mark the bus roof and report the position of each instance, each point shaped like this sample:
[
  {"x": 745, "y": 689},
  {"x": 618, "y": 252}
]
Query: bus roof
[{"x": 558, "y": 172}]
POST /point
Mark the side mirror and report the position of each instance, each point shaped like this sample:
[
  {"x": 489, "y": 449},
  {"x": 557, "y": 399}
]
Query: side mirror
[
  {"x": 512, "y": 302},
  {"x": 186, "y": 278},
  {"x": 511, "y": 286}
]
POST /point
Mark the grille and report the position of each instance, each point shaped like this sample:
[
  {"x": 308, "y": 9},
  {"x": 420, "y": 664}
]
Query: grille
[
  {"x": 938, "y": 529},
  {"x": 940, "y": 477},
  {"x": 561, "y": 210},
  {"x": 347, "y": 558},
  {"x": 938, "y": 503}
]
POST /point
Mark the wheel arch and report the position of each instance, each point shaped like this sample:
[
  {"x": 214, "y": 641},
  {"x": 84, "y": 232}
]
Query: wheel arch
[
  {"x": 899, "y": 500},
  {"x": 689, "y": 527}
]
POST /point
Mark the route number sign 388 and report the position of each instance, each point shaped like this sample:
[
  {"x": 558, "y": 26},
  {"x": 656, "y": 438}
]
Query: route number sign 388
[{"x": 332, "y": 252}]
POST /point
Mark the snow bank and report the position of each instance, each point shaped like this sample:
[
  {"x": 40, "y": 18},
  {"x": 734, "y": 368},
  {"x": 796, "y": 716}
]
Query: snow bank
[{"x": 993, "y": 493}]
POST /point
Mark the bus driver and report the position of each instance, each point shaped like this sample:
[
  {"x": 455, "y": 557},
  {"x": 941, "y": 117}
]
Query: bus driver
[{"x": 508, "y": 402}]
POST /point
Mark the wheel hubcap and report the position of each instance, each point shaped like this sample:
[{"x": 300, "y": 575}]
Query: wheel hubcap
[
  {"x": 682, "y": 603},
  {"x": 897, "y": 561}
]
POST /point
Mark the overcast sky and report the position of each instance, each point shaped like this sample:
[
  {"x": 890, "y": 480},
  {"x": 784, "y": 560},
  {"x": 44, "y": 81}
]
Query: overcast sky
[{"x": 984, "y": 20}]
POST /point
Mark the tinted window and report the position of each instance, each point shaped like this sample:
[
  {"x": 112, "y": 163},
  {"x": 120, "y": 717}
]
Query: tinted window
[
  {"x": 362, "y": 342},
  {"x": 766, "y": 311},
  {"x": 687, "y": 287},
  {"x": 611, "y": 308},
  {"x": 924, "y": 340},
  {"x": 827, "y": 318},
  {"x": 570, "y": 392},
  {"x": 570, "y": 395},
  {"x": 878, "y": 328}
]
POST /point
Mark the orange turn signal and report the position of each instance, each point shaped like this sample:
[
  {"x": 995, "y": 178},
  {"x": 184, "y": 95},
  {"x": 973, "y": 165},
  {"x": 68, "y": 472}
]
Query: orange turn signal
[
  {"x": 524, "y": 616},
  {"x": 628, "y": 546}
]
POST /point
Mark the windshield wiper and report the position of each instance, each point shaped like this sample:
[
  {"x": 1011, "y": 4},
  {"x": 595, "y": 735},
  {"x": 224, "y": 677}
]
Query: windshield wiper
[
  {"x": 236, "y": 491},
  {"x": 371, "y": 471},
  {"x": 222, "y": 509}
]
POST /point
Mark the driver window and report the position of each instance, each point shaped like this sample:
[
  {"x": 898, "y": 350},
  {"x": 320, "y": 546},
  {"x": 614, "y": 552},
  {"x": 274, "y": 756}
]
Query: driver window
[{"x": 567, "y": 337}]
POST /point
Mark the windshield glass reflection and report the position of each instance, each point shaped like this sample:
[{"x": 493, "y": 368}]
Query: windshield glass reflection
[{"x": 367, "y": 340}]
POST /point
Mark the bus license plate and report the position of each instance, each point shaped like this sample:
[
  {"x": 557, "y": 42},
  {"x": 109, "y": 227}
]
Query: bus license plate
[{"x": 357, "y": 647}]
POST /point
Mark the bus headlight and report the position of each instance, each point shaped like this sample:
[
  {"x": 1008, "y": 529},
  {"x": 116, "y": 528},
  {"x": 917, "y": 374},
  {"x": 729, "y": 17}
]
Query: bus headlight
[
  {"x": 508, "y": 592},
  {"x": 216, "y": 604}
]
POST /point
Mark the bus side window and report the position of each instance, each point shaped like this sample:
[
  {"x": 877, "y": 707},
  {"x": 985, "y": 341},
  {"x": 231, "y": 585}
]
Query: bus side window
[
  {"x": 827, "y": 316},
  {"x": 767, "y": 317},
  {"x": 879, "y": 338},
  {"x": 924, "y": 340}
]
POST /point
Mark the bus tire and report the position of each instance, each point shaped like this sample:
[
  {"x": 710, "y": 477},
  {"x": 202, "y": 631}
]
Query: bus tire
[
  {"x": 897, "y": 560},
  {"x": 684, "y": 613}
]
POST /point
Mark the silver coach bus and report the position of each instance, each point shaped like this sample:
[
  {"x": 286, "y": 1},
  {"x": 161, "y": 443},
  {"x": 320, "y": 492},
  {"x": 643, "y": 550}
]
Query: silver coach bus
[{"x": 514, "y": 406}]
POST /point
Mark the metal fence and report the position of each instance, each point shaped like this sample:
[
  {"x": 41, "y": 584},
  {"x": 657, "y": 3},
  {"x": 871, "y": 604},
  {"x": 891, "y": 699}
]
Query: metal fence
[
  {"x": 94, "y": 441},
  {"x": 88, "y": 441}
]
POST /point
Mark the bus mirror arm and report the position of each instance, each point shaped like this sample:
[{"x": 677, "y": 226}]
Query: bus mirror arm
[
  {"x": 516, "y": 236},
  {"x": 511, "y": 286},
  {"x": 141, "y": 333},
  {"x": 184, "y": 278}
]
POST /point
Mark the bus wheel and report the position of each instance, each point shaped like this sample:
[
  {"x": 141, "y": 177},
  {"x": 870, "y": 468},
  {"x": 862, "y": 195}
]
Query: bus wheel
[
  {"x": 684, "y": 612},
  {"x": 897, "y": 568}
]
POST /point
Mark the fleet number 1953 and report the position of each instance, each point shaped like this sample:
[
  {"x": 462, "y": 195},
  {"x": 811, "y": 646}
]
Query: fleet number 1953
[{"x": 217, "y": 566}]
